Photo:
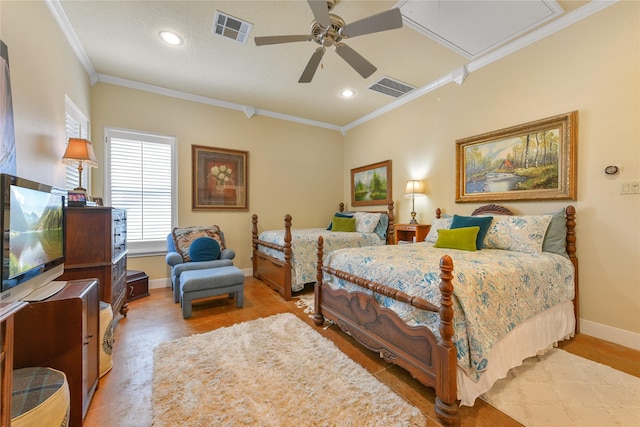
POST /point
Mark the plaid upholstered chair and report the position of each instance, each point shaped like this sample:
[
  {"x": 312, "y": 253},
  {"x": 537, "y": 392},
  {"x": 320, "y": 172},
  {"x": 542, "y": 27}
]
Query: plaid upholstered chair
[{"x": 196, "y": 248}]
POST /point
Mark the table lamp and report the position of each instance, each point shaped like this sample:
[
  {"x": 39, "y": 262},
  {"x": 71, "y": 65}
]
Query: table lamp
[
  {"x": 414, "y": 189},
  {"x": 80, "y": 150}
]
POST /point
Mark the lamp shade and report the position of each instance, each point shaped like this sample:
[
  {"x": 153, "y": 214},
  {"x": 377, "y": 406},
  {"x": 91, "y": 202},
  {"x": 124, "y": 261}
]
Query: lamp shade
[
  {"x": 79, "y": 149},
  {"x": 414, "y": 188}
]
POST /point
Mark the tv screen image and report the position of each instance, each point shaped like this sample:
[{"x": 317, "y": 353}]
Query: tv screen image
[
  {"x": 35, "y": 229},
  {"x": 33, "y": 246}
]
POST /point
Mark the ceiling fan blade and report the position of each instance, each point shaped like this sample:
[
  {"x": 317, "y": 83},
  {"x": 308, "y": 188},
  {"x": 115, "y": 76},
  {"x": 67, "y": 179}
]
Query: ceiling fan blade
[
  {"x": 357, "y": 61},
  {"x": 312, "y": 66},
  {"x": 389, "y": 20},
  {"x": 261, "y": 41},
  {"x": 320, "y": 12}
]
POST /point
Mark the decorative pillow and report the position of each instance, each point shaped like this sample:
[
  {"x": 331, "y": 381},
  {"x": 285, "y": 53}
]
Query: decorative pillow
[
  {"x": 183, "y": 237},
  {"x": 204, "y": 249},
  {"x": 381, "y": 228},
  {"x": 340, "y": 215},
  {"x": 517, "y": 233},
  {"x": 438, "y": 224},
  {"x": 459, "y": 238},
  {"x": 366, "y": 222},
  {"x": 344, "y": 224},
  {"x": 470, "y": 221},
  {"x": 555, "y": 240}
]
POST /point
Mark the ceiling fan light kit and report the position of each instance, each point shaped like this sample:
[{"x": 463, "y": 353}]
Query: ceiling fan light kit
[{"x": 329, "y": 30}]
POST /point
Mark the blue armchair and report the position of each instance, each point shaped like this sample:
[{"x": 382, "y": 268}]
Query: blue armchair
[{"x": 178, "y": 265}]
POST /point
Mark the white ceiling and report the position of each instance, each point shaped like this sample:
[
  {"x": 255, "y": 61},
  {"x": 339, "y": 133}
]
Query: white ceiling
[{"x": 118, "y": 43}]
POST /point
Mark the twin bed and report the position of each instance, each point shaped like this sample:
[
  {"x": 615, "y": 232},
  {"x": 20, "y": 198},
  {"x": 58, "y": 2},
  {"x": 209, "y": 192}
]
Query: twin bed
[
  {"x": 285, "y": 259},
  {"x": 459, "y": 329}
]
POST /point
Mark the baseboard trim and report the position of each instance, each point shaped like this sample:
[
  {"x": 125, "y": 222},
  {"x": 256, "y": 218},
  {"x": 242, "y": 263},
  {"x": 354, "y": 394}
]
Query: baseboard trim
[
  {"x": 166, "y": 281},
  {"x": 611, "y": 334}
]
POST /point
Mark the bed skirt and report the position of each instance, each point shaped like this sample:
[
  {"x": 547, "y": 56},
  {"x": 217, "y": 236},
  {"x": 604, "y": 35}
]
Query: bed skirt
[{"x": 528, "y": 339}]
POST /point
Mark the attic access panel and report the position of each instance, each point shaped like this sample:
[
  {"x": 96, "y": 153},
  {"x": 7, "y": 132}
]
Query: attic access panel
[{"x": 472, "y": 28}]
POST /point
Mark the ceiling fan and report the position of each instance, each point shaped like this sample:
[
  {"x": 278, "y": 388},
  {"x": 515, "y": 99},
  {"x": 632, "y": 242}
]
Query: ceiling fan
[{"x": 329, "y": 30}]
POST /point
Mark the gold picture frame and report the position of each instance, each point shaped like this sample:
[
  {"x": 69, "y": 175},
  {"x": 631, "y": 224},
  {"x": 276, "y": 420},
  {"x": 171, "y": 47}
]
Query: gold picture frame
[
  {"x": 371, "y": 184},
  {"x": 532, "y": 161},
  {"x": 220, "y": 178}
]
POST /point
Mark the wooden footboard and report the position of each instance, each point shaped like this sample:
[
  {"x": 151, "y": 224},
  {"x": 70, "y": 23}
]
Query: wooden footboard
[
  {"x": 276, "y": 273},
  {"x": 272, "y": 271},
  {"x": 430, "y": 360}
]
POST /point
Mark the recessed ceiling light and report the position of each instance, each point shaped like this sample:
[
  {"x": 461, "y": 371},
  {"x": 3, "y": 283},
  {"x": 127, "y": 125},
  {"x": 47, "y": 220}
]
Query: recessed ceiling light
[
  {"x": 347, "y": 93},
  {"x": 171, "y": 38}
]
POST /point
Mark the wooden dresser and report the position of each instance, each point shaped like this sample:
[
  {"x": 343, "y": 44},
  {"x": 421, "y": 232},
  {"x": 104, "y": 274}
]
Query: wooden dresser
[
  {"x": 62, "y": 332},
  {"x": 96, "y": 247}
]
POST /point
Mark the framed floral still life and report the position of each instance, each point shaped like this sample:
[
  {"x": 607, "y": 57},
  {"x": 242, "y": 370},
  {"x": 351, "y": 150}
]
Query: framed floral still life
[
  {"x": 220, "y": 179},
  {"x": 532, "y": 161},
  {"x": 371, "y": 184}
]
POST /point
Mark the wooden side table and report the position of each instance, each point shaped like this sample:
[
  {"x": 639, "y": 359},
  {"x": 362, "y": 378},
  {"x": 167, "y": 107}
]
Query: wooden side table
[
  {"x": 410, "y": 233},
  {"x": 7, "y": 310}
]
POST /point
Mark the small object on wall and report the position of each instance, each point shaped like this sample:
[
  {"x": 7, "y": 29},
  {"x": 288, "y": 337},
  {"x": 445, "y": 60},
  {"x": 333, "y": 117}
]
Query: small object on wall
[{"x": 611, "y": 170}]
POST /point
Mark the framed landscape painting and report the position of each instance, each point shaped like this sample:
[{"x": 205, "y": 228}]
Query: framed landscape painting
[
  {"x": 371, "y": 184},
  {"x": 220, "y": 179},
  {"x": 532, "y": 161}
]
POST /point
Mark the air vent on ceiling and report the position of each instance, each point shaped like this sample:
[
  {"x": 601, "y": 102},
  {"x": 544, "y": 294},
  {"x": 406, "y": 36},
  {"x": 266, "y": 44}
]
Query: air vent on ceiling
[
  {"x": 231, "y": 28},
  {"x": 391, "y": 87}
]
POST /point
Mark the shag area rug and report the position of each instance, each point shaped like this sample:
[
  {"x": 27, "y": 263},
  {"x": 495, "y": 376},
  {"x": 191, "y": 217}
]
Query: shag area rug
[
  {"x": 562, "y": 389},
  {"x": 274, "y": 371}
]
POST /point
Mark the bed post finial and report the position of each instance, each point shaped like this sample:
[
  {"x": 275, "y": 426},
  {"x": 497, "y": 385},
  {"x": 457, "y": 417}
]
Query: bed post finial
[
  {"x": 254, "y": 242},
  {"x": 287, "y": 256},
  {"x": 318, "y": 318},
  {"x": 446, "y": 406},
  {"x": 570, "y": 214}
]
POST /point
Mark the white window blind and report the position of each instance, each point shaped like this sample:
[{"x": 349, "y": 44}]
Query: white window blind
[
  {"x": 76, "y": 126},
  {"x": 140, "y": 179}
]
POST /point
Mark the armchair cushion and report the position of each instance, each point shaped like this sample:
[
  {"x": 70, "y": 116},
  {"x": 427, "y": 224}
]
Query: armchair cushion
[
  {"x": 204, "y": 249},
  {"x": 184, "y": 237}
]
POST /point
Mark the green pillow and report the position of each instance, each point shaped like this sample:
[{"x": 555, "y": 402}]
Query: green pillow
[
  {"x": 484, "y": 222},
  {"x": 343, "y": 224},
  {"x": 458, "y": 238}
]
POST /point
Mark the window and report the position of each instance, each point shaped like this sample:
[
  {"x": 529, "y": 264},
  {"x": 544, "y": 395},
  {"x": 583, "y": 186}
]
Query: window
[
  {"x": 76, "y": 126},
  {"x": 140, "y": 178}
]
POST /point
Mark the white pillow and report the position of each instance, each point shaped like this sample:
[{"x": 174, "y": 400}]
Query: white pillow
[
  {"x": 366, "y": 222},
  {"x": 520, "y": 233},
  {"x": 438, "y": 224}
]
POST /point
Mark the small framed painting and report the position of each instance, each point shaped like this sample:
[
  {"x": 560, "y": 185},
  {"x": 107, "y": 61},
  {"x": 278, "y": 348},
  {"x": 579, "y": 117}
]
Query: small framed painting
[
  {"x": 532, "y": 161},
  {"x": 371, "y": 184},
  {"x": 220, "y": 179}
]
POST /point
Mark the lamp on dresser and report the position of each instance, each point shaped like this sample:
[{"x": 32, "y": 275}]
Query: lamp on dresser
[
  {"x": 414, "y": 190},
  {"x": 80, "y": 150}
]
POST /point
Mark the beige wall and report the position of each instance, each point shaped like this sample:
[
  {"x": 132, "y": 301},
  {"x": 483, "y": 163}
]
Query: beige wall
[
  {"x": 592, "y": 67},
  {"x": 43, "y": 70},
  {"x": 293, "y": 169}
]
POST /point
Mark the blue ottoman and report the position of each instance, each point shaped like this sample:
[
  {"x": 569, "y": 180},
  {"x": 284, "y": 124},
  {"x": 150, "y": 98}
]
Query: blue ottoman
[{"x": 210, "y": 282}]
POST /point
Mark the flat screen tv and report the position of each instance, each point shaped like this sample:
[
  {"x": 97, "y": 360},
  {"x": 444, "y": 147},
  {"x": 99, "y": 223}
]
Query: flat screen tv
[{"x": 33, "y": 247}]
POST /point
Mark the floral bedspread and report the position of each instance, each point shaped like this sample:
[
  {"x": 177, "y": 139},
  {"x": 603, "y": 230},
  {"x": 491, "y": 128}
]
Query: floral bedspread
[
  {"x": 494, "y": 290},
  {"x": 304, "y": 248}
]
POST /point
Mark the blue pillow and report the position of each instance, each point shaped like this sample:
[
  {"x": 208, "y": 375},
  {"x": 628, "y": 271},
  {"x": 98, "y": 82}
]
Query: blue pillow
[
  {"x": 340, "y": 215},
  {"x": 484, "y": 222},
  {"x": 381, "y": 228},
  {"x": 204, "y": 249}
]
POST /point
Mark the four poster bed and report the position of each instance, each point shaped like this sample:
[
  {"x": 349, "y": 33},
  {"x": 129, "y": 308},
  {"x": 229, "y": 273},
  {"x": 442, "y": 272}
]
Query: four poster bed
[
  {"x": 285, "y": 260},
  {"x": 458, "y": 330}
]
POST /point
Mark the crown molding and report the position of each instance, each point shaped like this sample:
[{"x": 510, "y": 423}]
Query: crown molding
[{"x": 558, "y": 24}]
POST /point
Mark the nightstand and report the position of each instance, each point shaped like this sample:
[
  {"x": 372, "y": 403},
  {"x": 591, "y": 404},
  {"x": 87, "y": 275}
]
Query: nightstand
[{"x": 409, "y": 233}]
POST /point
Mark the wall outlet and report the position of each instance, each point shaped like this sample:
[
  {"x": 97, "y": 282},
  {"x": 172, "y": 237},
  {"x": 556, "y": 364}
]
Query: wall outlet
[{"x": 630, "y": 187}]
